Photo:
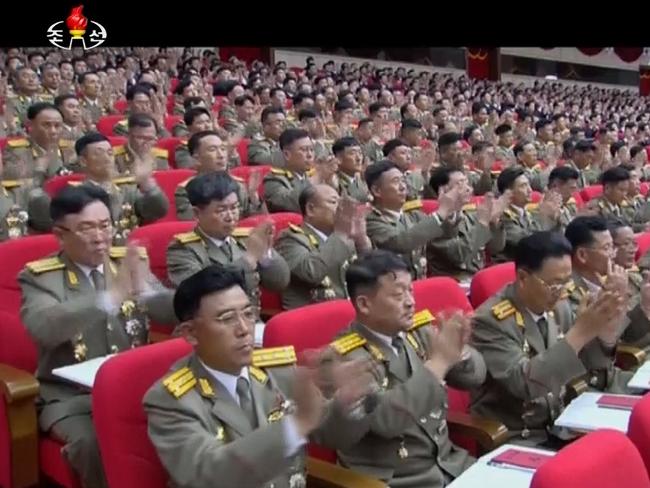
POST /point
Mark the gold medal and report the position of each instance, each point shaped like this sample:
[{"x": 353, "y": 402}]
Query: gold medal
[{"x": 402, "y": 452}]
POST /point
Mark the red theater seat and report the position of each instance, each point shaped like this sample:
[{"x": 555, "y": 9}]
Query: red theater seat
[
  {"x": 490, "y": 280},
  {"x": 638, "y": 429},
  {"x": 168, "y": 182},
  {"x": 170, "y": 143},
  {"x": 106, "y": 123},
  {"x": 591, "y": 192},
  {"x": 244, "y": 172},
  {"x": 643, "y": 241},
  {"x": 56, "y": 184}
]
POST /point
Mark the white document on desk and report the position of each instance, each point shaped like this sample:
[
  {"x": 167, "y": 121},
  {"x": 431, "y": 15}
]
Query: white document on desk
[
  {"x": 584, "y": 414},
  {"x": 641, "y": 379},
  {"x": 82, "y": 373},
  {"x": 486, "y": 475}
]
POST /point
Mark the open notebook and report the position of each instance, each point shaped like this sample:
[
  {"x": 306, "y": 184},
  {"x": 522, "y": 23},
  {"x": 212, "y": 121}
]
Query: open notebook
[{"x": 82, "y": 373}]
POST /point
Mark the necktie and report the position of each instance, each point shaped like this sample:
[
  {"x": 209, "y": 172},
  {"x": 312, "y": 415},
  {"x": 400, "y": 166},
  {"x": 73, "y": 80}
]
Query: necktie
[
  {"x": 542, "y": 325},
  {"x": 245, "y": 400},
  {"x": 98, "y": 280},
  {"x": 225, "y": 247},
  {"x": 402, "y": 358}
]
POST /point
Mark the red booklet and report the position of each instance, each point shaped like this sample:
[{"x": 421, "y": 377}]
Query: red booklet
[
  {"x": 619, "y": 402},
  {"x": 520, "y": 459}
]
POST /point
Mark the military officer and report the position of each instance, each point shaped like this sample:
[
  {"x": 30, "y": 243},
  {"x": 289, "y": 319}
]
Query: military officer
[
  {"x": 503, "y": 150},
  {"x": 625, "y": 246},
  {"x": 141, "y": 140},
  {"x": 450, "y": 153},
  {"x": 84, "y": 302},
  {"x": 50, "y": 82},
  {"x": 216, "y": 239},
  {"x": 180, "y": 128},
  {"x": 400, "y": 228},
  {"x": 229, "y": 412},
  {"x": 282, "y": 186},
  {"x": 70, "y": 109},
  {"x": 526, "y": 156},
  {"x": 564, "y": 180},
  {"x": 405, "y": 439},
  {"x": 371, "y": 146},
  {"x": 244, "y": 124},
  {"x": 210, "y": 154},
  {"x": 532, "y": 345},
  {"x": 401, "y": 155},
  {"x": 313, "y": 124},
  {"x": 90, "y": 102},
  {"x": 522, "y": 218},
  {"x": 319, "y": 251},
  {"x": 142, "y": 100},
  {"x": 26, "y": 93},
  {"x": 265, "y": 149},
  {"x": 478, "y": 230},
  {"x": 593, "y": 271},
  {"x": 23, "y": 210},
  {"x": 349, "y": 154},
  {"x": 42, "y": 154},
  {"x": 614, "y": 203},
  {"x": 544, "y": 139},
  {"x": 635, "y": 199},
  {"x": 582, "y": 159}
]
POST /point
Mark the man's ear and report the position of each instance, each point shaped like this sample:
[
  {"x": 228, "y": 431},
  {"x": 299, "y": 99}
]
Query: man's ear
[
  {"x": 187, "y": 330},
  {"x": 362, "y": 304},
  {"x": 581, "y": 255},
  {"x": 195, "y": 212}
]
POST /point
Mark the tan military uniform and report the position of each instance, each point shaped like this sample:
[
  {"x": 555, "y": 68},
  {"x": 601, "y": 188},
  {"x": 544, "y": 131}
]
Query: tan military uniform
[
  {"x": 63, "y": 314},
  {"x": 406, "y": 233},
  {"x": 282, "y": 189},
  {"x": 21, "y": 104},
  {"x": 94, "y": 108},
  {"x": 587, "y": 177},
  {"x": 636, "y": 210},
  {"x": 246, "y": 205},
  {"x": 184, "y": 159},
  {"x": 22, "y": 209},
  {"x": 265, "y": 151},
  {"x": 463, "y": 253},
  {"x": 124, "y": 157},
  {"x": 406, "y": 439},
  {"x": 249, "y": 130},
  {"x": 372, "y": 150},
  {"x": 519, "y": 223},
  {"x": 504, "y": 154},
  {"x": 625, "y": 212},
  {"x": 317, "y": 266},
  {"x": 121, "y": 128},
  {"x": 192, "y": 251},
  {"x": 20, "y": 157},
  {"x": 537, "y": 177},
  {"x": 527, "y": 375},
  {"x": 354, "y": 187},
  {"x": 323, "y": 148},
  {"x": 71, "y": 133}
]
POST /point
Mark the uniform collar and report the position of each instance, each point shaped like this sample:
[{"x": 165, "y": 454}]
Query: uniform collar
[
  {"x": 323, "y": 237},
  {"x": 229, "y": 381}
]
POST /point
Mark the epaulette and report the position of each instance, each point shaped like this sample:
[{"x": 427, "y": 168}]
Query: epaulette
[
  {"x": 274, "y": 356},
  {"x": 16, "y": 143},
  {"x": 571, "y": 286},
  {"x": 423, "y": 317},
  {"x": 571, "y": 201},
  {"x": 258, "y": 374},
  {"x": 532, "y": 206},
  {"x": 503, "y": 310},
  {"x": 625, "y": 203},
  {"x": 348, "y": 342},
  {"x": 117, "y": 252},
  {"x": 123, "y": 123},
  {"x": 187, "y": 237},
  {"x": 184, "y": 183},
  {"x": 237, "y": 179},
  {"x": 309, "y": 172},
  {"x": 66, "y": 143},
  {"x": 119, "y": 150},
  {"x": 510, "y": 213},
  {"x": 75, "y": 183},
  {"x": 180, "y": 382},
  {"x": 470, "y": 207},
  {"x": 601, "y": 204},
  {"x": 45, "y": 265},
  {"x": 296, "y": 229},
  {"x": 241, "y": 232},
  {"x": 124, "y": 180},
  {"x": 11, "y": 183},
  {"x": 159, "y": 152},
  {"x": 634, "y": 269},
  {"x": 183, "y": 143},
  {"x": 283, "y": 172},
  {"x": 412, "y": 205}
]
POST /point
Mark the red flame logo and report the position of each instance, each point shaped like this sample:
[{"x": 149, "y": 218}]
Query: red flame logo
[{"x": 76, "y": 19}]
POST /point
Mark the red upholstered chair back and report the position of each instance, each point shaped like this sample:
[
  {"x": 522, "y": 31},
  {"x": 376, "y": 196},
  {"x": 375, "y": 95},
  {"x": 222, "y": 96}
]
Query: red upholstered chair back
[
  {"x": 643, "y": 241},
  {"x": 14, "y": 255},
  {"x": 490, "y": 280},
  {"x": 117, "y": 140},
  {"x": 643, "y": 188},
  {"x": 105, "y": 124},
  {"x": 281, "y": 220},
  {"x": 590, "y": 192},
  {"x": 168, "y": 181},
  {"x": 638, "y": 429},
  {"x": 121, "y": 105},
  {"x": 129, "y": 458},
  {"x": 578, "y": 198},
  {"x": 170, "y": 143},
  {"x": 244, "y": 172},
  {"x": 156, "y": 237},
  {"x": 604, "y": 459},
  {"x": 429, "y": 206},
  {"x": 58, "y": 183},
  {"x": 242, "y": 149},
  {"x": 171, "y": 121}
]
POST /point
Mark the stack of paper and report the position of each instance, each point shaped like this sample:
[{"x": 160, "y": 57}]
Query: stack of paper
[
  {"x": 82, "y": 373},
  {"x": 641, "y": 378},
  {"x": 592, "y": 411}
]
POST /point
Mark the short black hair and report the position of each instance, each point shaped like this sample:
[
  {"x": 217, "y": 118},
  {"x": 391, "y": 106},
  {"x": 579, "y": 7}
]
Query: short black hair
[
  {"x": 614, "y": 148},
  {"x": 363, "y": 275},
  {"x": 307, "y": 113},
  {"x": 467, "y": 133},
  {"x": 636, "y": 150},
  {"x": 213, "y": 279},
  {"x": 533, "y": 250},
  {"x": 82, "y": 77},
  {"x": 479, "y": 146},
  {"x": 274, "y": 90},
  {"x": 580, "y": 231},
  {"x": 441, "y": 176},
  {"x": 87, "y": 139},
  {"x": 448, "y": 139},
  {"x": 135, "y": 89},
  {"x": 477, "y": 107},
  {"x": 344, "y": 142},
  {"x": 184, "y": 83},
  {"x": 563, "y": 174},
  {"x": 410, "y": 124},
  {"x": 141, "y": 120},
  {"x": 374, "y": 171},
  {"x": 614, "y": 225},
  {"x": 404, "y": 108},
  {"x": 269, "y": 111},
  {"x": 190, "y": 102},
  {"x": 289, "y": 136},
  {"x": 540, "y": 124},
  {"x": 376, "y": 107},
  {"x": 520, "y": 147},
  {"x": 195, "y": 141},
  {"x": 37, "y": 108},
  {"x": 363, "y": 122},
  {"x": 614, "y": 175},
  {"x": 502, "y": 129},
  {"x": 59, "y": 100},
  {"x": 300, "y": 96},
  {"x": 391, "y": 145},
  {"x": 242, "y": 99},
  {"x": 194, "y": 112},
  {"x": 342, "y": 105},
  {"x": 73, "y": 199},
  {"x": 203, "y": 189},
  {"x": 507, "y": 178}
]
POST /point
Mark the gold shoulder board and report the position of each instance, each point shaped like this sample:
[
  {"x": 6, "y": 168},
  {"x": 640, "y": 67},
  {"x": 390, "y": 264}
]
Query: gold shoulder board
[
  {"x": 423, "y": 317},
  {"x": 571, "y": 201},
  {"x": 16, "y": 143},
  {"x": 470, "y": 207},
  {"x": 412, "y": 205},
  {"x": 159, "y": 152},
  {"x": 274, "y": 356},
  {"x": 503, "y": 310},
  {"x": 118, "y": 252},
  {"x": 279, "y": 171},
  {"x": 187, "y": 237},
  {"x": 241, "y": 232},
  {"x": 348, "y": 343},
  {"x": 258, "y": 374},
  {"x": 296, "y": 229},
  {"x": 180, "y": 382},
  {"x": 45, "y": 265},
  {"x": 11, "y": 183},
  {"x": 510, "y": 213},
  {"x": 532, "y": 206},
  {"x": 124, "y": 180},
  {"x": 119, "y": 150},
  {"x": 75, "y": 183}
]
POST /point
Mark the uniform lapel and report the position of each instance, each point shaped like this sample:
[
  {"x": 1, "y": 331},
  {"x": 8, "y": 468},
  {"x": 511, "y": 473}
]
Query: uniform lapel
[
  {"x": 531, "y": 330},
  {"x": 390, "y": 360}
]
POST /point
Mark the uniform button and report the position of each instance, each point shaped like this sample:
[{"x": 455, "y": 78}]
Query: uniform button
[
  {"x": 593, "y": 381},
  {"x": 109, "y": 327},
  {"x": 423, "y": 420},
  {"x": 114, "y": 349}
]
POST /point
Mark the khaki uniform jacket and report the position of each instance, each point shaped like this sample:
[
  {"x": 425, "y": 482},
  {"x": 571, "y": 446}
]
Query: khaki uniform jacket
[
  {"x": 263, "y": 150},
  {"x": 519, "y": 225},
  {"x": 184, "y": 160},
  {"x": 588, "y": 176},
  {"x": 95, "y": 110},
  {"x": 504, "y": 154},
  {"x": 249, "y": 130},
  {"x": 192, "y": 251},
  {"x": 406, "y": 441},
  {"x": 354, "y": 187},
  {"x": 462, "y": 254},
  {"x": 71, "y": 133},
  {"x": 21, "y": 104},
  {"x": 20, "y": 157},
  {"x": 23, "y": 210},
  {"x": 317, "y": 266},
  {"x": 537, "y": 176},
  {"x": 124, "y": 157},
  {"x": 282, "y": 189},
  {"x": 121, "y": 128},
  {"x": 406, "y": 234},
  {"x": 372, "y": 150},
  {"x": 63, "y": 315}
]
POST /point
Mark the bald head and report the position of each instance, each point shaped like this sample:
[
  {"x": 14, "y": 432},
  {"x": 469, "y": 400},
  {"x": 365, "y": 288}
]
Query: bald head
[{"x": 318, "y": 205}]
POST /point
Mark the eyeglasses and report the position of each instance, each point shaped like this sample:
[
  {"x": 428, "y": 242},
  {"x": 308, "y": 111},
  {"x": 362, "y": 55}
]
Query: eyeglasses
[
  {"x": 87, "y": 230},
  {"x": 556, "y": 288},
  {"x": 223, "y": 211},
  {"x": 231, "y": 318}
]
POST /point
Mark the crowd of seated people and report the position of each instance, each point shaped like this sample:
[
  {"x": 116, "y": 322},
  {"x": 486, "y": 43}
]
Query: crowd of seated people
[{"x": 297, "y": 186}]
